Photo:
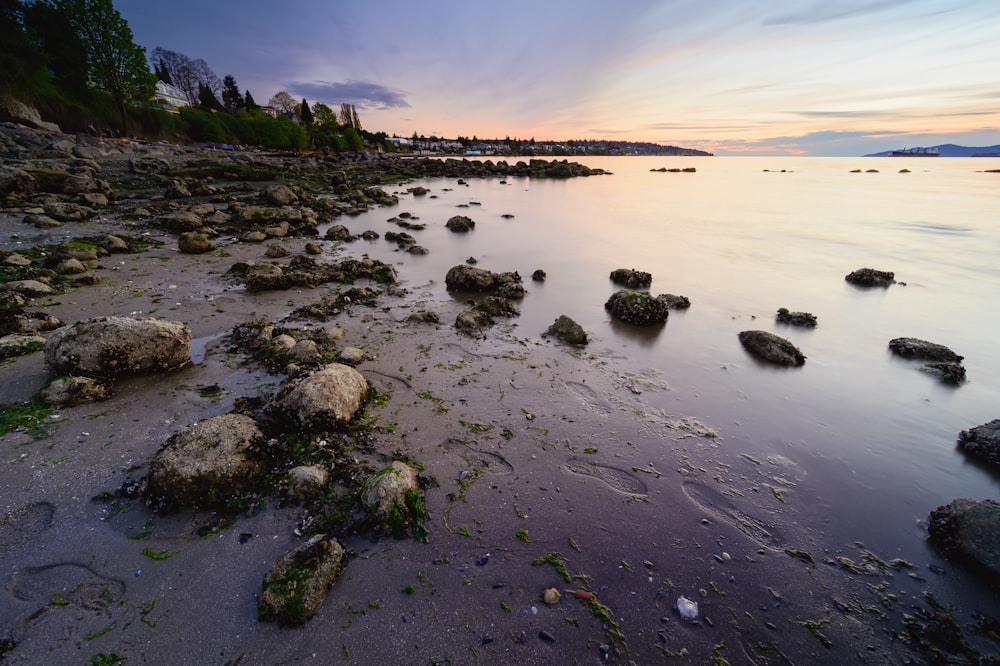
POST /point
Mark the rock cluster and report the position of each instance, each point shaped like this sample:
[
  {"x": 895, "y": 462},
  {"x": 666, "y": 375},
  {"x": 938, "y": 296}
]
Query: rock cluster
[
  {"x": 469, "y": 278},
  {"x": 631, "y": 278},
  {"x": 638, "y": 308},
  {"x": 946, "y": 364},
  {"x": 803, "y": 319},
  {"x": 869, "y": 277}
]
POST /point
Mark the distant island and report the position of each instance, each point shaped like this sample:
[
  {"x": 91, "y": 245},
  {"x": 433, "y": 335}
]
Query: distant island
[{"x": 952, "y": 150}]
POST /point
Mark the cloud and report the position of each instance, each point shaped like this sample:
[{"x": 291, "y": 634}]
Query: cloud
[
  {"x": 362, "y": 94},
  {"x": 833, "y": 11}
]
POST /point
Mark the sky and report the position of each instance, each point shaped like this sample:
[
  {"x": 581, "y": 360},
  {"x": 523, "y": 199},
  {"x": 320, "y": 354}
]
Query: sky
[{"x": 733, "y": 77}]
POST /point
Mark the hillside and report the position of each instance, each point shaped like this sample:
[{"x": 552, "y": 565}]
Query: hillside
[{"x": 953, "y": 150}]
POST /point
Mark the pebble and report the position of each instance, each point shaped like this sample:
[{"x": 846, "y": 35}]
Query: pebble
[
  {"x": 546, "y": 636},
  {"x": 481, "y": 562}
]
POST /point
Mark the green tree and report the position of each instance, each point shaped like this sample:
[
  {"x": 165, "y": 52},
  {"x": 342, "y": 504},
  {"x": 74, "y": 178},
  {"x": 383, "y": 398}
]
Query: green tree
[
  {"x": 207, "y": 99},
  {"x": 305, "y": 113},
  {"x": 63, "y": 52},
  {"x": 324, "y": 115},
  {"x": 232, "y": 98},
  {"x": 248, "y": 102},
  {"x": 115, "y": 64}
]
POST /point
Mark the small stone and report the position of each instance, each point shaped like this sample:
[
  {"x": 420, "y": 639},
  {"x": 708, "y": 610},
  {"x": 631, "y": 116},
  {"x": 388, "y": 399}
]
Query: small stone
[
  {"x": 551, "y": 596},
  {"x": 546, "y": 636}
]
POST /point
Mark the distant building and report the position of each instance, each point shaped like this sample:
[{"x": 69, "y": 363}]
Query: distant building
[
  {"x": 171, "y": 97},
  {"x": 269, "y": 110}
]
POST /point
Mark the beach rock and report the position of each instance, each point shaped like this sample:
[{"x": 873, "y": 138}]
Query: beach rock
[
  {"x": 306, "y": 482},
  {"x": 148, "y": 164},
  {"x": 16, "y": 320},
  {"x": 17, "y": 344},
  {"x": 294, "y": 589},
  {"x": 180, "y": 222},
  {"x": 193, "y": 242},
  {"x": 460, "y": 224},
  {"x": 339, "y": 232},
  {"x": 41, "y": 221},
  {"x": 393, "y": 499},
  {"x": 28, "y": 288},
  {"x": 351, "y": 355},
  {"x": 265, "y": 277},
  {"x": 16, "y": 183},
  {"x": 638, "y": 308},
  {"x": 916, "y": 348},
  {"x": 796, "y": 318},
  {"x": 279, "y": 195},
  {"x": 113, "y": 244},
  {"x": 473, "y": 320},
  {"x": 17, "y": 259},
  {"x": 948, "y": 373},
  {"x": 539, "y": 275},
  {"x": 567, "y": 330},
  {"x": 206, "y": 464},
  {"x": 675, "y": 302},
  {"x": 65, "y": 211},
  {"x": 969, "y": 530},
  {"x": 982, "y": 442},
  {"x": 469, "y": 278},
  {"x": 418, "y": 250},
  {"x": 772, "y": 348},
  {"x": 326, "y": 399},
  {"x": 275, "y": 251},
  {"x": 113, "y": 346},
  {"x": 68, "y": 391},
  {"x": 869, "y": 277},
  {"x": 631, "y": 278}
]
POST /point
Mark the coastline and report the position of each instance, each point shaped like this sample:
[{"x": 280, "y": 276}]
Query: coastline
[{"x": 571, "y": 473}]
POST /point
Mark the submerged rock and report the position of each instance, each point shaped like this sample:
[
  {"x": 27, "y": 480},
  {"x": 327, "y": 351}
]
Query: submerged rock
[
  {"x": 869, "y": 277},
  {"x": 770, "y": 347},
  {"x": 969, "y": 530},
  {"x": 982, "y": 442},
  {"x": 464, "y": 277},
  {"x": 567, "y": 330},
  {"x": 460, "y": 224},
  {"x": 114, "y": 346},
  {"x": 675, "y": 302},
  {"x": 948, "y": 373},
  {"x": 294, "y": 589},
  {"x": 916, "y": 348},
  {"x": 206, "y": 464},
  {"x": 637, "y": 308},
  {"x": 804, "y": 319},
  {"x": 631, "y": 278}
]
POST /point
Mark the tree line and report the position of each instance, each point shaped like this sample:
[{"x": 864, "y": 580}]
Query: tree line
[{"x": 77, "y": 63}]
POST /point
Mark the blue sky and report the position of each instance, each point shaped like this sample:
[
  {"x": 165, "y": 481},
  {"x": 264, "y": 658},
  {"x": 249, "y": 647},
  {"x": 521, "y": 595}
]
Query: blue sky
[{"x": 769, "y": 77}]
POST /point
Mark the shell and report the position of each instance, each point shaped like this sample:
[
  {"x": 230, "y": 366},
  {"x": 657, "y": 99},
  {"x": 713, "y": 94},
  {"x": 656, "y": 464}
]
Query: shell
[{"x": 550, "y": 596}]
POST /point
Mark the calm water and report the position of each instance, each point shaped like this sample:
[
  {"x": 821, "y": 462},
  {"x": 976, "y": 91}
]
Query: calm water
[{"x": 869, "y": 439}]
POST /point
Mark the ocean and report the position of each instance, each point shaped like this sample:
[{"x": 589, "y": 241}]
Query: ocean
[{"x": 865, "y": 440}]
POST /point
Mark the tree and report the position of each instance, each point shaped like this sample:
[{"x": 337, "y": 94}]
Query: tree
[
  {"x": 248, "y": 102},
  {"x": 186, "y": 74},
  {"x": 231, "y": 96},
  {"x": 355, "y": 120},
  {"x": 162, "y": 73},
  {"x": 305, "y": 113},
  {"x": 115, "y": 64},
  {"x": 283, "y": 101},
  {"x": 349, "y": 117},
  {"x": 64, "y": 53},
  {"x": 208, "y": 100},
  {"x": 324, "y": 115}
]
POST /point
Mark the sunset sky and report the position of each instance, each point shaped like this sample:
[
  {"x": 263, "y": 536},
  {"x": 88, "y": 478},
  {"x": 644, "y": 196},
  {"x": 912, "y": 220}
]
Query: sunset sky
[{"x": 769, "y": 77}]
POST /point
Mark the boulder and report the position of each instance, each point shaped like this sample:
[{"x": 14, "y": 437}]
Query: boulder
[
  {"x": 567, "y": 330},
  {"x": 265, "y": 277},
  {"x": 638, "y": 308},
  {"x": 339, "y": 232},
  {"x": 64, "y": 211},
  {"x": 279, "y": 195},
  {"x": 206, "y": 464},
  {"x": 28, "y": 288},
  {"x": 795, "y": 318},
  {"x": 539, "y": 275},
  {"x": 326, "y": 399},
  {"x": 70, "y": 266},
  {"x": 969, "y": 530},
  {"x": 113, "y": 244},
  {"x": 982, "y": 442},
  {"x": 294, "y": 589},
  {"x": 473, "y": 320},
  {"x": 16, "y": 183},
  {"x": 770, "y": 347},
  {"x": 16, "y": 320},
  {"x": 113, "y": 346},
  {"x": 460, "y": 224},
  {"x": 869, "y": 277},
  {"x": 921, "y": 349},
  {"x": 631, "y": 278},
  {"x": 177, "y": 189},
  {"x": 675, "y": 302},
  {"x": 194, "y": 242},
  {"x": 306, "y": 482},
  {"x": 15, "y": 109},
  {"x": 468, "y": 278},
  {"x": 388, "y": 487},
  {"x": 67, "y": 391}
]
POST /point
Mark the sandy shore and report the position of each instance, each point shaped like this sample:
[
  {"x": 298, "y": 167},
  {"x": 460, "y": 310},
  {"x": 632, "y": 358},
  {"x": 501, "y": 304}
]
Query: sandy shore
[{"x": 537, "y": 454}]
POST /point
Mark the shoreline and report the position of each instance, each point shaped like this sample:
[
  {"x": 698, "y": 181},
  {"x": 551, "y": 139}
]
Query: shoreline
[{"x": 573, "y": 473}]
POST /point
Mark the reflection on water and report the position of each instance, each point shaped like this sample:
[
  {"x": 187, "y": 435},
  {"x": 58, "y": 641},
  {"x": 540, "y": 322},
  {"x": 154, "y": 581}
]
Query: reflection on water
[{"x": 873, "y": 437}]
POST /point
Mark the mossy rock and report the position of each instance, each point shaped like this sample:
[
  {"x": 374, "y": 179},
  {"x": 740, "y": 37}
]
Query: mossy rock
[{"x": 294, "y": 589}]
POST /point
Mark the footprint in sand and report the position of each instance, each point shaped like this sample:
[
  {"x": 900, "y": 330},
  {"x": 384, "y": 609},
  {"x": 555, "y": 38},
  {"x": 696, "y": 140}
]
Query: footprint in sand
[
  {"x": 24, "y": 522},
  {"x": 718, "y": 505},
  {"x": 461, "y": 353},
  {"x": 489, "y": 462},
  {"x": 74, "y": 583},
  {"x": 615, "y": 478},
  {"x": 589, "y": 397}
]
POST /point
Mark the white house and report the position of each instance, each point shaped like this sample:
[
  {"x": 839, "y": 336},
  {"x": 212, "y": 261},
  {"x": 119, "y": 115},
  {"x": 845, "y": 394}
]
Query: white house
[{"x": 170, "y": 96}]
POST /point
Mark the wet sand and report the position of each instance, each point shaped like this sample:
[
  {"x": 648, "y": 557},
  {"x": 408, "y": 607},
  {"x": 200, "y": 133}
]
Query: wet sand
[{"x": 536, "y": 449}]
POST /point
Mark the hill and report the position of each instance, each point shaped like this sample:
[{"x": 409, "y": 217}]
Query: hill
[{"x": 953, "y": 150}]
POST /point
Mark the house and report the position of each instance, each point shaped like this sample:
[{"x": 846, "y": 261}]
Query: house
[{"x": 171, "y": 97}]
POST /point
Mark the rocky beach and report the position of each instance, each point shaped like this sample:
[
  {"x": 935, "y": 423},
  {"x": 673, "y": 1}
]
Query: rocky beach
[{"x": 232, "y": 437}]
